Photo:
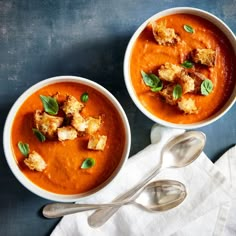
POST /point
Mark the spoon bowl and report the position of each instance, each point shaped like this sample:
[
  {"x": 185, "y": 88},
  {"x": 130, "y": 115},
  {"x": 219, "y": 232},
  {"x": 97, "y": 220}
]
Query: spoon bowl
[
  {"x": 182, "y": 150},
  {"x": 159, "y": 195}
]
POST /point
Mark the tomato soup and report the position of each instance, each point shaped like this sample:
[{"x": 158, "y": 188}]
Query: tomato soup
[
  {"x": 63, "y": 173},
  {"x": 147, "y": 55}
]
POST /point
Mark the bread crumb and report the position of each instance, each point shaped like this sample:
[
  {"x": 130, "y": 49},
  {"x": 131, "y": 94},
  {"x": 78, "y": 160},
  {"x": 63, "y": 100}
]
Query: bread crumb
[
  {"x": 66, "y": 133},
  {"x": 169, "y": 72},
  {"x": 188, "y": 106},
  {"x": 167, "y": 94},
  {"x": 163, "y": 35},
  {"x": 47, "y": 124},
  {"x": 35, "y": 162},
  {"x": 204, "y": 56},
  {"x": 97, "y": 142},
  {"x": 71, "y": 105},
  {"x": 93, "y": 124}
]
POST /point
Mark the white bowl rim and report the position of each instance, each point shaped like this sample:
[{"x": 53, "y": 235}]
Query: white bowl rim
[
  {"x": 13, "y": 164},
  {"x": 126, "y": 66}
]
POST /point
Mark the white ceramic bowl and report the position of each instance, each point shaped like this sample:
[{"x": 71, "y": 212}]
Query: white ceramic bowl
[
  {"x": 10, "y": 156},
  {"x": 126, "y": 67}
]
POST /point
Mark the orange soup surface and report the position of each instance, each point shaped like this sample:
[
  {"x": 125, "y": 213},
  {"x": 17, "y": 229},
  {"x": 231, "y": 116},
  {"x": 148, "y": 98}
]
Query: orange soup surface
[
  {"x": 63, "y": 173},
  {"x": 147, "y": 55}
]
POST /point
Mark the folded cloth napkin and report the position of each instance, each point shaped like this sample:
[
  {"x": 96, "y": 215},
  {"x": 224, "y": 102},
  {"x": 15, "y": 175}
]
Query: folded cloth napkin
[{"x": 210, "y": 200}]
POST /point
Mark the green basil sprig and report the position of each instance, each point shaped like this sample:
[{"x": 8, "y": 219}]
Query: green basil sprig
[
  {"x": 187, "y": 64},
  {"x": 189, "y": 29},
  {"x": 88, "y": 163},
  {"x": 152, "y": 81},
  {"x": 84, "y": 97},
  {"x": 24, "y": 148},
  {"x": 50, "y": 104},
  {"x": 177, "y": 92},
  {"x": 206, "y": 87},
  {"x": 39, "y": 135}
]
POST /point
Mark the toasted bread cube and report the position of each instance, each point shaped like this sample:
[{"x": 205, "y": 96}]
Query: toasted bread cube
[
  {"x": 97, "y": 142},
  {"x": 35, "y": 162},
  {"x": 167, "y": 94},
  {"x": 93, "y": 124},
  {"x": 204, "y": 56},
  {"x": 79, "y": 123},
  {"x": 71, "y": 105},
  {"x": 66, "y": 133},
  {"x": 163, "y": 35},
  {"x": 169, "y": 72},
  {"x": 47, "y": 124},
  {"x": 198, "y": 79},
  {"x": 187, "y": 83},
  {"x": 188, "y": 106}
]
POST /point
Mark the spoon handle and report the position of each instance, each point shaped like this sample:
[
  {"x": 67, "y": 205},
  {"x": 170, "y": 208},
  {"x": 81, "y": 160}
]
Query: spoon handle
[
  {"x": 55, "y": 210},
  {"x": 99, "y": 217}
]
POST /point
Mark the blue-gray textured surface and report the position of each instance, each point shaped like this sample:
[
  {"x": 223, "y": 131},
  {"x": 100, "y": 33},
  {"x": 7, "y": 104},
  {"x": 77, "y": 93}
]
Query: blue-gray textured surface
[{"x": 41, "y": 39}]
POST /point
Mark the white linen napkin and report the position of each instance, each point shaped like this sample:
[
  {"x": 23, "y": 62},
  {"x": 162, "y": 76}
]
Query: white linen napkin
[{"x": 204, "y": 211}]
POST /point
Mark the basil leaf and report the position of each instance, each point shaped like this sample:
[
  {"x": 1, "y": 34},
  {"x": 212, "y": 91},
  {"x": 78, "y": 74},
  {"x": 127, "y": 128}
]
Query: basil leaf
[
  {"x": 189, "y": 29},
  {"x": 39, "y": 135},
  {"x": 206, "y": 87},
  {"x": 88, "y": 163},
  {"x": 50, "y": 104},
  {"x": 177, "y": 91},
  {"x": 187, "y": 64},
  {"x": 150, "y": 80},
  {"x": 84, "y": 97},
  {"x": 24, "y": 148},
  {"x": 158, "y": 87}
]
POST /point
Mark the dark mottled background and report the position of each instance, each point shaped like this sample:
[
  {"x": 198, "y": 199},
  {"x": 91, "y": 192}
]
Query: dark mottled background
[{"x": 88, "y": 38}]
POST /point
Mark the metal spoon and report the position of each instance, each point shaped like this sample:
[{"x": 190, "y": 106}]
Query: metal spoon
[
  {"x": 180, "y": 151},
  {"x": 156, "y": 196}
]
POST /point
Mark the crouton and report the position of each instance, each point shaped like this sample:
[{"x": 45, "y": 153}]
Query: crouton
[
  {"x": 163, "y": 35},
  {"x": 188, "y": 106},
  {"x": 71, "y": 105},
  {"x": 93, "y": 124},
  {"x": 66, "y": 133},
  {"x": 97, "y": 142},
  {"x": 35, "y": 162},
  {"x": 169, "y": 72},
  {"x": 79, "y": 123},
  {"x": 187, "y": 82},
  {"x": 204, "y": 56},
  {"x": 198, "y": 79},
  {"x": 47, "y": 124},
  {"x": 167, "y": 94}
]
